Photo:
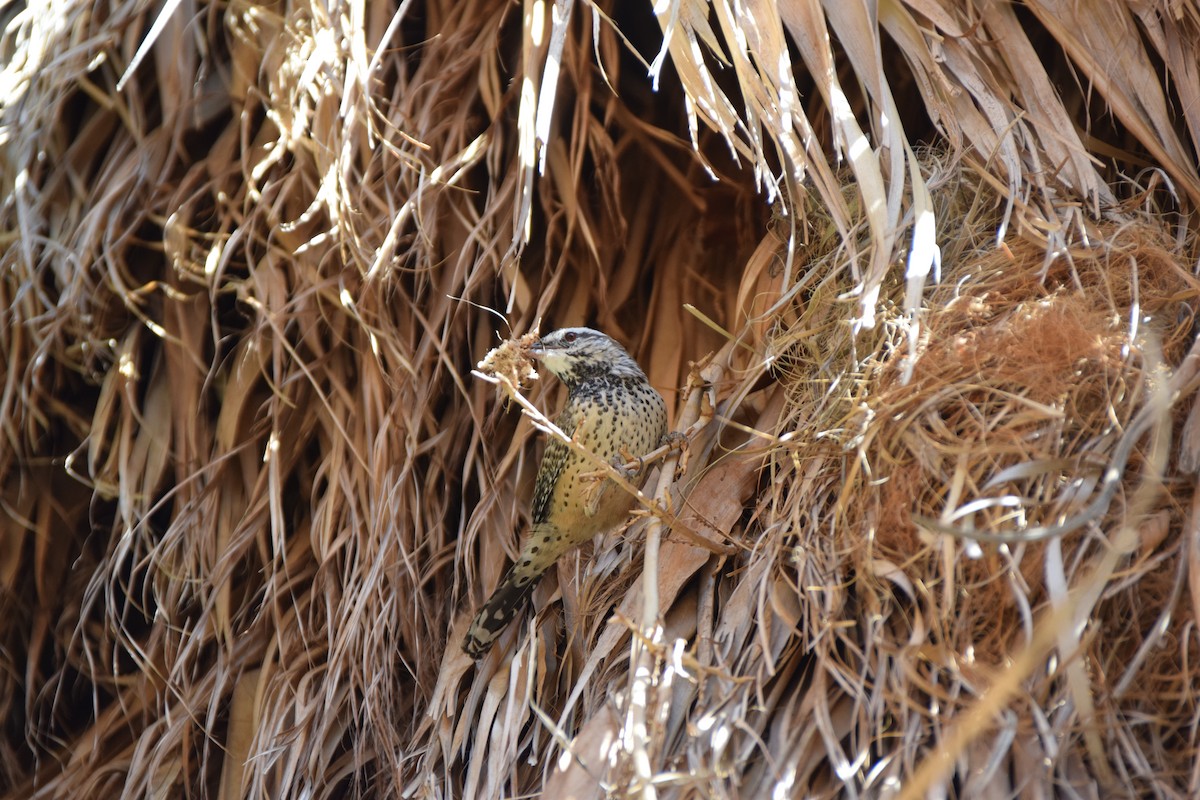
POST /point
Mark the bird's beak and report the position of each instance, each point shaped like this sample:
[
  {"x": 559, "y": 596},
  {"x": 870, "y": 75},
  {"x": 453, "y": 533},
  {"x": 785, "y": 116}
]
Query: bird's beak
[{"x": 537, "y": 349}]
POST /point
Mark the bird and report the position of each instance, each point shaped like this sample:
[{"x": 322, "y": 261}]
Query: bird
[{"x": 612, "y": 411}]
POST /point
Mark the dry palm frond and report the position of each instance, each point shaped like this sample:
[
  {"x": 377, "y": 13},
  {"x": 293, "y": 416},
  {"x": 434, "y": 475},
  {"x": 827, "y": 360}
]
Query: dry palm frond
[{"x": 250, "y": 491}]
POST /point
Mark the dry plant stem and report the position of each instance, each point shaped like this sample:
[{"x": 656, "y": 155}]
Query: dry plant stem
[
  {"x": 704, "y": 626},
  {"x": 643, "y": 646},
  {"x": 679, "y": 466}
]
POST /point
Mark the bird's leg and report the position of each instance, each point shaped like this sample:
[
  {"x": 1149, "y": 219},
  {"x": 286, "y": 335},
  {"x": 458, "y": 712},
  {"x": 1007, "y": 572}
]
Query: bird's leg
[
  {"x": 595, "y": 482},
  {"x": 673, "y": 440},
  {"x": 628, "y": 466},
  {"x": 631, "y": 466},
  {"x": 677, "y": 442}
]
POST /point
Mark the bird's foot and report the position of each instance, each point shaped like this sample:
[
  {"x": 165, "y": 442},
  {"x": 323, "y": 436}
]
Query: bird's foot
[
  {"x": 673, "y": 440},
  {"x": 621, "y": 463}
]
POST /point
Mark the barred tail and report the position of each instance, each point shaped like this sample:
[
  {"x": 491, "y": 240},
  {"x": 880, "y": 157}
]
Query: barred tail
[{"x": 500, "y": 609}]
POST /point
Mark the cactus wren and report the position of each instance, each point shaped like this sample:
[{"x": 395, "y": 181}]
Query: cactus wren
[{"x": 614, "y": 412}]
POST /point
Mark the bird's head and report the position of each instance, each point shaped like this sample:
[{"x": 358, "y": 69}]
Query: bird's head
[{"x": 575, "y": 355}]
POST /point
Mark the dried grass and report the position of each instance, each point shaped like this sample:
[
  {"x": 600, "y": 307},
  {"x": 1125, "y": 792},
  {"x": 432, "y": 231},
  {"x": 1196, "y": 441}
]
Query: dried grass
[
  {"x": 250, "y": 490},
  {"x": 1025, "y": 386}
]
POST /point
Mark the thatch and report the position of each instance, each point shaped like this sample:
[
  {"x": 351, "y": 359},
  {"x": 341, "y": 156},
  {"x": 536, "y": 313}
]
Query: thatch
[{"x": 918, "y": 281}]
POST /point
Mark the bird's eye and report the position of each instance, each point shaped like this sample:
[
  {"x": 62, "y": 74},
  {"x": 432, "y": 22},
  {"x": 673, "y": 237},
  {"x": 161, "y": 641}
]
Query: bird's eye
[{"x": 570, "y": 338}]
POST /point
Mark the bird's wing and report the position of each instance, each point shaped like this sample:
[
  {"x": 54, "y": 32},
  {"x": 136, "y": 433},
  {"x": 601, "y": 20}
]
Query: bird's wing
[{"x": 554, "y": 461}]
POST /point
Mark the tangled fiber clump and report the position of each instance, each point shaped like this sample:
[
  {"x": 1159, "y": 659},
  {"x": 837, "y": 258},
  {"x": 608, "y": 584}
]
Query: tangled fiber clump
[{"x": 934, "y": 527}]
